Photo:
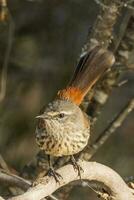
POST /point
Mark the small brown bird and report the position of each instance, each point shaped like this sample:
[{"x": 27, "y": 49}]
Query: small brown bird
[{"x": 63, "y": 129}]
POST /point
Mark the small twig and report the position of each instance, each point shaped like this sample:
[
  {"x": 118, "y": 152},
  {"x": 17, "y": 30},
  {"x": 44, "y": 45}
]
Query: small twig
[
  {"x": 3, "y": 163},
  {"x": 14, "y": 180},
  {"x": 122, "y": 83},
  {"x": 92, "y": 171},
  {"x": 53, "y": 197},
  {"x": 6, "y": 59},
  {"x": 116, "y": 123},
  {"x": 101, "y": 4}
]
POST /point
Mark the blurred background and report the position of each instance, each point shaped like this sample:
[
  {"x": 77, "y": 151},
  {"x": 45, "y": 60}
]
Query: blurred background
[{"x": 47, "y": 39}]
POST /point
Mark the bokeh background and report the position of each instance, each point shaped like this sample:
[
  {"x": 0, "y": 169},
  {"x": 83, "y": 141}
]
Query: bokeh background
[{"x": 47, "y": 40}]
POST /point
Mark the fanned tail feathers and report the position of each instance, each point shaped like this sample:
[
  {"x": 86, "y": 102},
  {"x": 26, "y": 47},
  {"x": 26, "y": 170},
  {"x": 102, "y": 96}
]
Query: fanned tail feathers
[{"x": 90, "y": 67}]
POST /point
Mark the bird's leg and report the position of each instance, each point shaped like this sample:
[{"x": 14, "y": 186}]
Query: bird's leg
[
  {"x": 52, "y": 172},
  {"x": 76, "y": 166}
]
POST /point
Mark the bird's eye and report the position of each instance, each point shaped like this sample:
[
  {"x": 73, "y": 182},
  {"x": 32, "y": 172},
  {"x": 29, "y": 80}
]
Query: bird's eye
[{"x": 61, "y": 115}]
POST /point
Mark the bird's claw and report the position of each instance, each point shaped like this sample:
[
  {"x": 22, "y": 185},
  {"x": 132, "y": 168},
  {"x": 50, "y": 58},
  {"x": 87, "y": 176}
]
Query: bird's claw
[
  {"x": 56, "y": 175},
  {"x": 77, "y": 167}
]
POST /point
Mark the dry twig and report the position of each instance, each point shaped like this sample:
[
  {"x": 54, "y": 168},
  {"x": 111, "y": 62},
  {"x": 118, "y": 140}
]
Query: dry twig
[
  {"x": 116, "y": 123},
  {"x": 13, "y": 180},
  {"x": 6, "y": 58}
]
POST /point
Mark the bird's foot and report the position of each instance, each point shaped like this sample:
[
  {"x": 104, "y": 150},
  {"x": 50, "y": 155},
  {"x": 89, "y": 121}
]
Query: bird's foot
[
  {"x": 50, "y": 172},
  {"x": 76, "y": 166},
  {"x": 53, "y": 173}
]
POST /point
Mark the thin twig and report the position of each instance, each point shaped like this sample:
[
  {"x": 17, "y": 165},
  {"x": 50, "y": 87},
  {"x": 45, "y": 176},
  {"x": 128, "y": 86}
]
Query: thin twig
[
  {"x": 116, "y": 123},
  {"x": 3, "y": 164},
  {"x": 100, "y": 3},
  {"x": 13, "y": 180},
  {"x": 6, "y": 59},
  {"x": 53, "y": 197},
  {"x": 6, "y": 177}
]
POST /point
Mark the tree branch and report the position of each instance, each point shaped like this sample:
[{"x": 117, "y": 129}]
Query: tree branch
[
  {"x": 92, "y": 171},
  {"x": 103, "y": 28},
  {"x": 116, "y": 123},
  {"x": 14, "y": 180}
]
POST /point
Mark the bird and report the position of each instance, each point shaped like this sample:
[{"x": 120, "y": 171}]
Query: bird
[{"x": 62, "y": 128}]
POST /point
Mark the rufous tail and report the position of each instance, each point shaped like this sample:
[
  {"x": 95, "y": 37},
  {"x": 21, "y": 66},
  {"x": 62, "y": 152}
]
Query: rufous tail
[{"x": 90, "y": 67}]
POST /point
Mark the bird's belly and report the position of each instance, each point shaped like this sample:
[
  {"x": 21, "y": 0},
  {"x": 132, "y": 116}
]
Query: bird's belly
[{"x": 67, "y": 144}]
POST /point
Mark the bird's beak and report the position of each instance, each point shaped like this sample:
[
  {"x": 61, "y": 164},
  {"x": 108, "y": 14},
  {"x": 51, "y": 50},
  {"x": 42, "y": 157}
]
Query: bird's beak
[{"x": 39, "y": 117}]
